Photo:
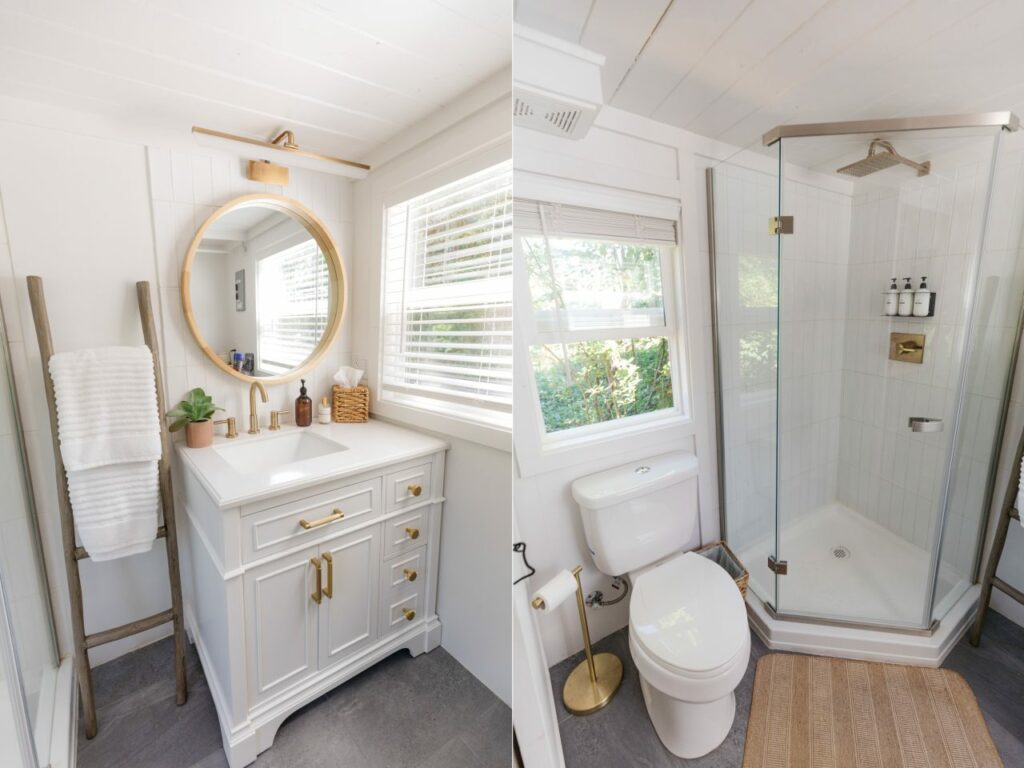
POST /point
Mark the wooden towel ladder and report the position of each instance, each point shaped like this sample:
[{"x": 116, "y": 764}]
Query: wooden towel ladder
[
  {"x": 1007, "y": 514},
  {"x": 73, "y": 553}
]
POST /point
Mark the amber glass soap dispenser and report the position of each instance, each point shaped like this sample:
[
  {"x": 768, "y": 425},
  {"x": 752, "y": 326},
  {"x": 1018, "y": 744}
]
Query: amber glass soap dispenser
[{"x": 303, "y": 407}]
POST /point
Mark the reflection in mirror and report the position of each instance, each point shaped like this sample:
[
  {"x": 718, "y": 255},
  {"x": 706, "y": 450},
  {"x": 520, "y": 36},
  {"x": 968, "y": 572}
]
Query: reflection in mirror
[{"x": 260, "y": 291}]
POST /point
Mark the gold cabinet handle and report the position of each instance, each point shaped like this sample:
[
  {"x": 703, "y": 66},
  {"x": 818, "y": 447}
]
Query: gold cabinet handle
[
  {"x": 410, "y": 575},
  {"x": 415, "y": 489},
  {"x": 412, "y": 533},
  {"x": 409, "y": 614},
  {"x": 317, "y": 594},
  {"x": 329, "y": 589},
  {"x": 335, "y": 515}
]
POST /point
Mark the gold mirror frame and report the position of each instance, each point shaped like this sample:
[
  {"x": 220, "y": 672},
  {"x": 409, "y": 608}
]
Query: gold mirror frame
[{"x": 327, "y": 245}]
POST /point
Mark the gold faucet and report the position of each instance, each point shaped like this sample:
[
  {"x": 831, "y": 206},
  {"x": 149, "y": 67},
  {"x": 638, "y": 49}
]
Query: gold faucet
[{"x": 254, "y": 417}]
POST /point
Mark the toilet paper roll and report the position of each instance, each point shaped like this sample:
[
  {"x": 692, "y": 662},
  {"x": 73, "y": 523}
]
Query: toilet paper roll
[{"x": 556, "y": 591}]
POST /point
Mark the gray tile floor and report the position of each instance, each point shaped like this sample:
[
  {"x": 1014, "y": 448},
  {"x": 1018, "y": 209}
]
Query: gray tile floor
[
  {"x": 427, "y": 712},
  {"x": 622, "y": 735}
]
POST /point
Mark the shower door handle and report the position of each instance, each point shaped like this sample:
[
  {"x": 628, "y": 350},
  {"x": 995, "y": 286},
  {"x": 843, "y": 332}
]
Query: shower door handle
[{"x": 924, "y": 424}]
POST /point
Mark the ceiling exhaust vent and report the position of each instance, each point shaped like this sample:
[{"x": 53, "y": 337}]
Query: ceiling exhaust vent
[
  {"x": 552, "y": 114},
  {"x": 557, "y": 84}
]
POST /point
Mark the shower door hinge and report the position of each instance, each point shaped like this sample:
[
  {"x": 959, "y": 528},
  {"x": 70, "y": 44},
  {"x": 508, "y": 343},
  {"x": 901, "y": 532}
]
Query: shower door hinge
[
  {"x": 780, "y": 225},
  {"x": 778, "y": 567}
]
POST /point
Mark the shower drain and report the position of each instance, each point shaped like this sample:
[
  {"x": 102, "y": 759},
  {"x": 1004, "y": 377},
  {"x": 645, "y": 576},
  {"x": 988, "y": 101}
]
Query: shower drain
[{"x": 840, "y": 552}]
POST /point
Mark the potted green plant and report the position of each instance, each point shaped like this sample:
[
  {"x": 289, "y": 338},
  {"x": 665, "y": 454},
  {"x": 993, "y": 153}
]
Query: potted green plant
[{"x": 195, "y": 414}]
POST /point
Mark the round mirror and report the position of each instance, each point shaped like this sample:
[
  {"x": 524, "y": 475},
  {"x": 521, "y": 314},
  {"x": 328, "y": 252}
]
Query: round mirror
[{"x": 263, "y": 288}]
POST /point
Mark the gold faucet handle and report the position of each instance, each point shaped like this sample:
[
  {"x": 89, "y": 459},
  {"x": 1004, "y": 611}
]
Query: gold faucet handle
[
  {"x": 231, "y": 424},
  {"x": 275, "y": 419}
]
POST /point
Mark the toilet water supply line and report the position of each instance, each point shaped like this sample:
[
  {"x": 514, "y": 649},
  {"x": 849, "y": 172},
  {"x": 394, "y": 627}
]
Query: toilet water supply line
[{"x": 596, "y": 598}]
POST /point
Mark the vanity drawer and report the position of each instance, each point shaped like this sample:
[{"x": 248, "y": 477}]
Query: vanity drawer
[
  {"x": 405, "y": 573},
  {"x": 406, "y": 532},
  {"x": 408, "y": 487},
  {"x": 305, "y": 521},
  {"x": 401, "y": 609}
]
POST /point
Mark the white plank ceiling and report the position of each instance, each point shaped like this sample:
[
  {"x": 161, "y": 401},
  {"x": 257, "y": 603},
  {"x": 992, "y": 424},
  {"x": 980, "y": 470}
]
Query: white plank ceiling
[
  {"x": 733, "y": 69},
  {"x": 345, "y": 75}
]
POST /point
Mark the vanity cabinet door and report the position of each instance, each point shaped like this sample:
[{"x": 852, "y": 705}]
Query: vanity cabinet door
[
  {"x": 281, "y": 616},
  {"x": 349, "y": 615}
]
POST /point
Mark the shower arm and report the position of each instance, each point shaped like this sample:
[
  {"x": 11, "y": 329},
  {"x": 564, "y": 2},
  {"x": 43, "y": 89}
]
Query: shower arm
[{"x": 921, "y": 168}]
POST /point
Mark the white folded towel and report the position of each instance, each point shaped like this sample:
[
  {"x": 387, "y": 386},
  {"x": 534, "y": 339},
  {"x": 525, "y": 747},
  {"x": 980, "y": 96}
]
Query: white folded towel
[{"x": 109, "y": 432}]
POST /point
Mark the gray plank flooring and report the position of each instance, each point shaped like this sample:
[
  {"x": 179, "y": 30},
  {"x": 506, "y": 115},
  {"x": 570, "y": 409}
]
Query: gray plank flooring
[
  {"x": 621, "y": 734},
  {"x": 427, "y": 712}
]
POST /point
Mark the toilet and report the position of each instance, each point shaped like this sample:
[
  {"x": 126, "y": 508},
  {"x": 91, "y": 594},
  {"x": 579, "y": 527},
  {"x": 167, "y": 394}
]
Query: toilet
[{"x": 688, "y": 632}]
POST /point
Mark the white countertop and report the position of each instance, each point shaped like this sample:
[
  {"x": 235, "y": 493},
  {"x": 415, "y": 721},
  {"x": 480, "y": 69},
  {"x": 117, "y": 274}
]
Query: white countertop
[{"x": 369, "y": 445}]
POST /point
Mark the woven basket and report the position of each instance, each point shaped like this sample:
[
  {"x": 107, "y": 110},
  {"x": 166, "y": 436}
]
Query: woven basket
[
  {"x": 721, "y": 554},
  {"x": 350, "y": 404}
]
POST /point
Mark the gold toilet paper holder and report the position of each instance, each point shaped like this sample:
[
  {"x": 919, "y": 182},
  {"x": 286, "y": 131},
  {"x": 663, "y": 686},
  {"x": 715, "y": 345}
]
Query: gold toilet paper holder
[{"x": 594, "y": 681}]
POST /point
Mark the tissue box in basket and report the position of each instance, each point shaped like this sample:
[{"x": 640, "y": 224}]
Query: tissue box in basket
[{"x": 350, "y": 404}]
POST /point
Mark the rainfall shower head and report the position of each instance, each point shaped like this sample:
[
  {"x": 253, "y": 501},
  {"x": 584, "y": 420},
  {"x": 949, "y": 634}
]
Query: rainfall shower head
[{"x": 882, "y": 155}]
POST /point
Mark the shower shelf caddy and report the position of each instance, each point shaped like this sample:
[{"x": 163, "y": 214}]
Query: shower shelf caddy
[{"x": 73, "y": 553}]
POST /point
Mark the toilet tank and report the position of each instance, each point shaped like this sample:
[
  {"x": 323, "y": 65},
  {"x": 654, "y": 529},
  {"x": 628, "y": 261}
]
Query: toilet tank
[{"x": 639, "y": 513}]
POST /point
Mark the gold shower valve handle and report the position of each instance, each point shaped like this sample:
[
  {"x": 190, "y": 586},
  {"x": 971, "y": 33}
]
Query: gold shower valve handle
[
  {"x": 412, "y": 533},
  {"x": 415, "y": 489},
  {"x": 410, "y": 575},
  {"x": 409, "y": 614}
]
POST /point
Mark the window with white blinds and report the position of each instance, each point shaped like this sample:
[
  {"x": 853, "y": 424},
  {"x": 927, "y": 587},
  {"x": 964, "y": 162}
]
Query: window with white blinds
[
  {"x": 447, "y": 299},
  {"x": 293, "y": 301},
  {"x": 598, "y": 320}
]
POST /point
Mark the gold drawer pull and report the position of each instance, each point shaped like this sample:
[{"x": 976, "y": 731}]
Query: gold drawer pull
[
  {"x": 415, "y": 489},
  {"x": 409, "y": 614},
  {"x": 335, "y": 515},
  {"x": 410, "y": 575},
  {"x": 329, "y": 589},
  {"x": 413, "y": 533},
  {"x": 317, "y": 595}
]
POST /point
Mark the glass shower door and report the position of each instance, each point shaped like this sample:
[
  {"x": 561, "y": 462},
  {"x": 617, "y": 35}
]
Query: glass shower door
[
  {"x": 869, "y": 405},
  {"x": 744, "y": 198},
  {"x": 28, "y": 655}
]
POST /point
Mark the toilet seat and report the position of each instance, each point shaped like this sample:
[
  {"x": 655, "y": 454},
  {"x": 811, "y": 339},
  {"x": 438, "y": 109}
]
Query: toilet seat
[{"x": 688, "y": 624}]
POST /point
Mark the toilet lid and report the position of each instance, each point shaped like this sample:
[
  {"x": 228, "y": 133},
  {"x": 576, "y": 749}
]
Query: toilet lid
[{"x": 688, "y": 614}]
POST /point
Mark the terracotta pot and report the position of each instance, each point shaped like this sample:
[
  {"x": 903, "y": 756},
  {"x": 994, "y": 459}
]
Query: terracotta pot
[{"x": 199, "y": 434}]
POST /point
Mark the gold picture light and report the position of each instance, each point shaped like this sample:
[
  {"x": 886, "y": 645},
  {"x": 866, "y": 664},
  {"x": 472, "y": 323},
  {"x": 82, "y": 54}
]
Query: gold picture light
[{"x": 285, "y": 146}]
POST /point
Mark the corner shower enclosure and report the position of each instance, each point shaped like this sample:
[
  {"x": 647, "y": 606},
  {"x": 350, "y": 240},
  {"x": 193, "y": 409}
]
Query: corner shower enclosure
[{"x": 845, "y": 510}]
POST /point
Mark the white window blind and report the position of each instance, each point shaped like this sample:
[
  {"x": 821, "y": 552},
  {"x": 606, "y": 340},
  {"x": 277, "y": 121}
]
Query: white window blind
[
  {"x": 293, "y": 303},
  {"x": 598, "y": 322},
  {"x": 447, "y": 302},
  {"x": 578, "y": 221}
]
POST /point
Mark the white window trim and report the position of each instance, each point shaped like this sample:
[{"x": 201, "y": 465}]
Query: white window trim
[
  {"x": 536, "y": 451},
  {"x": 445, "y": 422}
]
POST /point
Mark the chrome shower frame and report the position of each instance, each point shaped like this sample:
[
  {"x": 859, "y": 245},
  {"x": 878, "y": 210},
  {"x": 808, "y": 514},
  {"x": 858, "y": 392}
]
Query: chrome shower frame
[{"x": 1007, "y": 121}]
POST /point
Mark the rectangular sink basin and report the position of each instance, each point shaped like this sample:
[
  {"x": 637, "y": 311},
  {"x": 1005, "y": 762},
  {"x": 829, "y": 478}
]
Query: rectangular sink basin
[{"x": 269, "y": 454}]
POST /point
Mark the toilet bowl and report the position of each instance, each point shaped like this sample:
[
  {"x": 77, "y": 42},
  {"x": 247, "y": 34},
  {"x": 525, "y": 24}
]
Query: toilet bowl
[
  {"x": 689, "y": 639},
  {"x": 688, "y": 632}
]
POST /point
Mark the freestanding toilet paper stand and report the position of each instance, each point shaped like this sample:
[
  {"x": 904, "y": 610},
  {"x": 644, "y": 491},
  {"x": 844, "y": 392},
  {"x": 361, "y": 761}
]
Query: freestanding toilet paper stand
[{"x": 594, "y": 682}]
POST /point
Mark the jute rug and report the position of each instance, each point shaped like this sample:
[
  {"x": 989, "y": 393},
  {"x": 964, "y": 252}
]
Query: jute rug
[{"x": 820, "y": 712}]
